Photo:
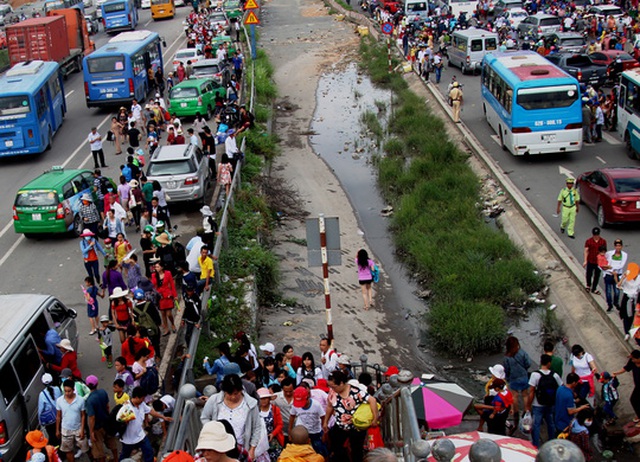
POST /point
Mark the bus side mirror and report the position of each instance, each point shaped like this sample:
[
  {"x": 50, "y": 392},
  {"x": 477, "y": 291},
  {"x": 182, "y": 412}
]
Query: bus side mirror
[{"x": 164, "y": 43}]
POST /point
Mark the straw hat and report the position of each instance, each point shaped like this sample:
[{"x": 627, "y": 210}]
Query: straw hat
[
  {"x": 213, "y": 436},
  {"x": 66, "y": 344},
  {"x": 163, "y": 239},
  {"x": 118, "y": 293}
]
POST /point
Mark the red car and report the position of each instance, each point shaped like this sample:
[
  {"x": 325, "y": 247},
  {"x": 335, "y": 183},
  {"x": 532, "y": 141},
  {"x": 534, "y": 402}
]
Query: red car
[
  {"x": 615, "y": 60},
  {"x": 612, "y": 193}
]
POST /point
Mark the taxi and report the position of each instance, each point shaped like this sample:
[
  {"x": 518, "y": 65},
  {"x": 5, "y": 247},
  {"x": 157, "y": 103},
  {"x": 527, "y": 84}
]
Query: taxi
[{"x": 194, "y": 96}]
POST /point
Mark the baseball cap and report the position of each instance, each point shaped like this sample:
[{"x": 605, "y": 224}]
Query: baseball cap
[
  {"x": 47, "y": 378},
  {"x": 323, "y": 385},
  {"x": 269, "y": 347},
  {"x": 595, "y": 231},
  {"x": 104, "y": 318},
  {"x": 91, "y": 380},
  {"x": 391, "y": 370},
  {"x": 300, "y": 397}
]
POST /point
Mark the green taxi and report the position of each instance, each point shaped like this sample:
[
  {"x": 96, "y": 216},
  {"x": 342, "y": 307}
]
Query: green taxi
[
  {"x": 50, "y": 202},
  {"x": 194, "y": 96},
  {"x": 233, "y": 9},
  {"x": 222, "y": 39}
]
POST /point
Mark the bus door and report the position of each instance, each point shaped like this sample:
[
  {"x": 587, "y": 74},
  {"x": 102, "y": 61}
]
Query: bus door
[{"x": 54, "y": 103}]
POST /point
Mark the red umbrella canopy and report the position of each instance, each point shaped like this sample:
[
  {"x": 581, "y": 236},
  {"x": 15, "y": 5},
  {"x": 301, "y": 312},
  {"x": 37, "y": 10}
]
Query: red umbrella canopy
[{"x": 513, "y": 449}]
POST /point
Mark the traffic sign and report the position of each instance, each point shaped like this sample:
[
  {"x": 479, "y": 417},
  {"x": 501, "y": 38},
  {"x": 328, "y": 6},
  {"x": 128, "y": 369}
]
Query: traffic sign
[
  {"x": 251, "y": 5},
  {"x": 387, "y": 28},
  {"x": 251, "y": 18}
]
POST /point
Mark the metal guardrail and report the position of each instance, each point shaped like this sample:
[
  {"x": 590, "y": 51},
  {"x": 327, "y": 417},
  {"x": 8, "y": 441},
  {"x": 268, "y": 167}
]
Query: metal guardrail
[
  {"x": 184, "y": 430},
  {"x": 400, "y": 425}
]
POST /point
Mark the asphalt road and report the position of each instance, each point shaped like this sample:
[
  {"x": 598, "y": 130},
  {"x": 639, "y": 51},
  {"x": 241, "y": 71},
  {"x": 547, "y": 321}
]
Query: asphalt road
[
  {"x": 53, "y": 265},
  {"x": 540, "y": 178}
]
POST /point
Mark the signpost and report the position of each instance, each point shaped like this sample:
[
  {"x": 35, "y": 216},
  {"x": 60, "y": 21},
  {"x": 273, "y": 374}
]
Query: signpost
[
  {"x": 251, "y": 19},
  {"x": 323, "y": 249},
  {"x": 387, "y": 29}
]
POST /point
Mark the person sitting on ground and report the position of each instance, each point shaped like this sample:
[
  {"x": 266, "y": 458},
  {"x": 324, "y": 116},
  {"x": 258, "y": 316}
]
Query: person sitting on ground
[{"x": 299, "y": 448}]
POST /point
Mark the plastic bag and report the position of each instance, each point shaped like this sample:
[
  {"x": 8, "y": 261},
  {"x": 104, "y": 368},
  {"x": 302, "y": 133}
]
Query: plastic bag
[
  {"x": 526, "y": 423},
  {"x": 126, "y": 413},
  {"x": 363, "y": 417},
  {"x": 374, "y": 438}
]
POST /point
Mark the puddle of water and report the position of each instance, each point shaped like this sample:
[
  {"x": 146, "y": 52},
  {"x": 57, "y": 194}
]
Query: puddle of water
[{"x": 342, "y": 97}]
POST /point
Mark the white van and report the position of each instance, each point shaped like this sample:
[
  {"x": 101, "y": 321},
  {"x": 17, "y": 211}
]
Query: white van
[
  {"x": 469, "y": 46},
  {"x": 416, "y": 10},
  {"x": 27, "y": 319}
]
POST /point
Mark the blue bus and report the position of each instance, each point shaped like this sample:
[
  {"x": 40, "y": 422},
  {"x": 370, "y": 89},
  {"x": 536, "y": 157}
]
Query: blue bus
[
  {"x": 533, "y": 106},
  {"x": 119, "y": 15},
  {"x": 32, "y": 107},
  {"x": 117, "y": 72},
  {"x": 50, "y": 5}
]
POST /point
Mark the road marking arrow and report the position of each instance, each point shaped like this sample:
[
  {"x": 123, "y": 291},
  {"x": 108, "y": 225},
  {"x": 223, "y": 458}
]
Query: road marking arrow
[{"x": 565, "y": 171}]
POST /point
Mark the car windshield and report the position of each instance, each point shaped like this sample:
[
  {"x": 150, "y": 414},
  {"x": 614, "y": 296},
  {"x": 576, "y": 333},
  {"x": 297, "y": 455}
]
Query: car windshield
[
  {"x": 625, "y": 57},
  {"x": 611, "y": 11},
  {"x": 36, "y": 199},
  {"x": 546, "y": 22},
  {"x": 105, "y": 64},
  {"x": 217, "y": 17},
  {"x": 185, "y": 55},
  {"x": 211, "y": 69},
  {"x": 627, "y": 185},
  {"x": 171, "y": 167},
  {"x": 183, "y": 92},
  {"x": 12, "y": 105},
  {"x": 547, "y": 97},
  {"x": 519, "y": 14}
]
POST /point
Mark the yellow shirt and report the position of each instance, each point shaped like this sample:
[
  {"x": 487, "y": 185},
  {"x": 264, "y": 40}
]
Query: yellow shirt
[
  {"x": 206, "y": 267},
  {"x": 123, "y": 399}
]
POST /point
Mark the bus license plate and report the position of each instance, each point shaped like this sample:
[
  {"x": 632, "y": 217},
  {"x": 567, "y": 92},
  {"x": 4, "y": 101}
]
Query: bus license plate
[
  {"x": 8, "y": 143},
  {"x": 183, "y": 104},
  {"x": 109, "y": 95},
  {"x": 548, "y": 138},
  {"x": 36, "y": 217}
]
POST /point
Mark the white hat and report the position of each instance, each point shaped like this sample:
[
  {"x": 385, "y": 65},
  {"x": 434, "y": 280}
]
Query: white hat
[
  {"x": 46, "y": 378},
  {"x": 66, "y": 344},
  {"x": 498, "y": 371},
  {"x": 157, "y": 95},
  {"x": 118, "y": 292},
  {"x": 206, "y": 211},
  {"x": 104, "y": 318},
  {"x": 214, "y": 436},
  {"x": 344, "y": 359},
  {"x": 268, "y": 347},
  {"x": 133, "y": 183}
]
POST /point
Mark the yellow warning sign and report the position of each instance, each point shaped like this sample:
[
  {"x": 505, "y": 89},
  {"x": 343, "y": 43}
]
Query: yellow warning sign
[
  {"x": 251, "y": 19},
  {"x": 251, "y": 5}
]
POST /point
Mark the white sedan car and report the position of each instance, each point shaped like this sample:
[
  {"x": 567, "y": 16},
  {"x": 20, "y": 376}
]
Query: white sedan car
[
  {"x": 184, "y": 55},
  {"x": 515, "y": 16}
]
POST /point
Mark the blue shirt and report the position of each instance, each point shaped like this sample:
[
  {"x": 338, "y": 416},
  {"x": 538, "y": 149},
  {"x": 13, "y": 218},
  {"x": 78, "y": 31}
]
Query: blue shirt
[
  {"x": 516, "y": 370},
  {"x": 45, "y": 402},
  {"x": 97, "y": 404},
  {"x": 51, "y": 339},
  {"x": 71, "y": 412},
  {"x": 564, "y": 402},
  {"x": 217, "y": 368}
]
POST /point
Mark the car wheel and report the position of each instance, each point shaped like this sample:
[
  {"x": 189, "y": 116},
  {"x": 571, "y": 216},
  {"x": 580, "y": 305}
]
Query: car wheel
[
  {"x": 600, "y": 216},
  {"x": 77, "y": 226},
  {"x": 49, "y": 140},
  {"x": 30, "y": 235},
  {"x": 630, "y": 152}
]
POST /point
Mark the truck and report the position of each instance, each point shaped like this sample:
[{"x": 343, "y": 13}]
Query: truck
[
  {"x": 580, "y": 66},
  {"x": 61, "y": 36}
]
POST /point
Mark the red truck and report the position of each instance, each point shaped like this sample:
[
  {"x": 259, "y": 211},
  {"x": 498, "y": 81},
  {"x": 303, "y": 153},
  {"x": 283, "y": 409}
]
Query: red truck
[{"x": 62, "y": 37}]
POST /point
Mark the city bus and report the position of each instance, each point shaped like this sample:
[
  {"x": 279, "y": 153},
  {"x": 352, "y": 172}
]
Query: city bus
[
  {"x": 32, "y": 107},
  {"x": 119, "y": 15},
  {"x": 50, "y": 5},
  {"x": 533, "y": 106},
  {"x": 116, "y": 73},
  {"x": 161, "y": 9},
  {"x": 628, "y": 111}
]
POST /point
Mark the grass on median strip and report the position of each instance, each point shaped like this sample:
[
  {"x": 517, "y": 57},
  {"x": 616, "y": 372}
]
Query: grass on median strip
[{"x": 438, "y": 227}]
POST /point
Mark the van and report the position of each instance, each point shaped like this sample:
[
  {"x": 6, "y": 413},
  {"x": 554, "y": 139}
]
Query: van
[
  {"x": 50, "y": 203},
  {"x": 21, "y": 368},
  {"x": 469, "y": 46},
  {"x": 416, "y": 10}
]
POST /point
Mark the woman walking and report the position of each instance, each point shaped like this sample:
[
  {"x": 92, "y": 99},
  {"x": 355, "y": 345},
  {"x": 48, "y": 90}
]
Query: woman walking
[
  {"x": 583, "y": 364},
  {"x": 47, "y": 407},
  {"x": 224, "y": 173},
  {"x": 163, "y": 282},
  {"x": 121, "y": 311},
  {"x": 116, "y": 129},
  {"x": 516, "y": 364},
  {"x": 365, "y": 277}
]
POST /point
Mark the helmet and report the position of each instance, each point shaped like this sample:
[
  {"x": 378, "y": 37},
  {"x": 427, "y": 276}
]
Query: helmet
[
  {"x": 148, "y": 229},
  {"x": 138, "y": 294},
  {"x": 160, "y": 224}
]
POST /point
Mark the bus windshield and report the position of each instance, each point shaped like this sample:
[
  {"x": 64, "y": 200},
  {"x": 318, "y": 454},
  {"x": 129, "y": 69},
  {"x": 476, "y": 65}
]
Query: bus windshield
[
  {"x": 105, "y": 64},
  {"x": 160, "y": 2},
  {"x": 12, "y": 105},
  {"x": 414, "y": 7},
  {"x": 114, "y": 7},
  {"x": 547, "y": 97}
]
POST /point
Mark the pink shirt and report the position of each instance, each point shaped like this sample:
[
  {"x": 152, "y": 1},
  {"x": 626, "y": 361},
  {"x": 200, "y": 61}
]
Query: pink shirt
[{"x": 364, "y": 274}]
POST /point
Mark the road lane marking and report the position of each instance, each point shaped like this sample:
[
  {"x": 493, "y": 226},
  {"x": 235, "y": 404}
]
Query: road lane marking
[
  {"x": 6, "y": 228},
  {"x": 69, "y": 94},
  {"x": 73, "y": 154},
  {"x": 611, "y": 139},
  {"x": 148, "y": 22},
  {"x": 601, "y": 159},
  {"x": 11, "y": 250}
]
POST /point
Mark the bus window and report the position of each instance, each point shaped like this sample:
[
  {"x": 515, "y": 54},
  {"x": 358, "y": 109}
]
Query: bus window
[
  {"x": 11, "y": 105},
  {"x": 105, "y": 64},
  {"x": 114, "y": 7},
  {"x": 54, "y": 86},
  {"x": 8, "y": 385},
  {"x": 490, "y": 44},
  {"x": 41, "y": 103},
  {"x": 547, "y": 97},
  {"x": 476, "y": 45}
]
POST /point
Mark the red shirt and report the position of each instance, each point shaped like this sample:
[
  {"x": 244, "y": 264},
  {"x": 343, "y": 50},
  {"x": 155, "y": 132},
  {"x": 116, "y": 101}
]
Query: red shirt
[
  {"x": 69, "y": 361},
  {"x": 122, "y": 310},
  {"x": 593, "y": 246}
]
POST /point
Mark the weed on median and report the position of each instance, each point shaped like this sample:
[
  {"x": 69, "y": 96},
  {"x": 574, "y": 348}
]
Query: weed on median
[{"x": 473, "y": 269}]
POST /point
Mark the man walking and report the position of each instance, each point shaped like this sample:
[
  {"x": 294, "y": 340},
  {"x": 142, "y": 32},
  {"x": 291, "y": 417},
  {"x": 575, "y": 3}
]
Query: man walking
[
  {"x": 89, "y": 214},
  {"x": 97, "y": 407},
  {"x": 565, "y": 409},
  {"x": 569, "y": 200},
  {"x": 71, "y": 421},
  {"x": 541, "y": 399},
  {"x": 456, "y": 97},
  {"x": 95, "y": 141},
  {"x": 591, "y": 249}
]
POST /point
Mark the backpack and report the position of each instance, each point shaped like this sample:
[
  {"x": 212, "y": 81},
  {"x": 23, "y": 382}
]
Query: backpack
[
  {"x": 112, "y": 426},
  {"x": 49, "y": 413},
  {"x": 150, "y": 381},
  {"x": 105, "y": 185},
  {"x": 144, "y": 318},
  {"x": 546, "y": 389}
]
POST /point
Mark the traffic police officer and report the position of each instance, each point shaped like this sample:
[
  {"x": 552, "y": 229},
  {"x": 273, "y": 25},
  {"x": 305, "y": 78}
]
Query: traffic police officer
[
  {"x": 456, "y": 100},
  {"x": 569, "y": 200}
]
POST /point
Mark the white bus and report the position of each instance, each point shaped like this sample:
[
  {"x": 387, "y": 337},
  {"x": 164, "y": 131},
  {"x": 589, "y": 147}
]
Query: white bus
[{"x": 629, "y": 111}]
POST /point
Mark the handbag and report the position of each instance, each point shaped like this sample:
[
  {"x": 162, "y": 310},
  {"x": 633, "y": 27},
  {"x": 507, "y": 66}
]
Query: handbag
[
  {"x": 564, "y": 434},
  {"x": 363, "y": 417},
  {"x": 375, "y": 273}
]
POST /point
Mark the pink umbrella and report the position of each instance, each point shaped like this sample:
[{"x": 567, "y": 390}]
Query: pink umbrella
[
  {"x": 440, "y": 404},
  {"x": 513, "y": 449}
]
